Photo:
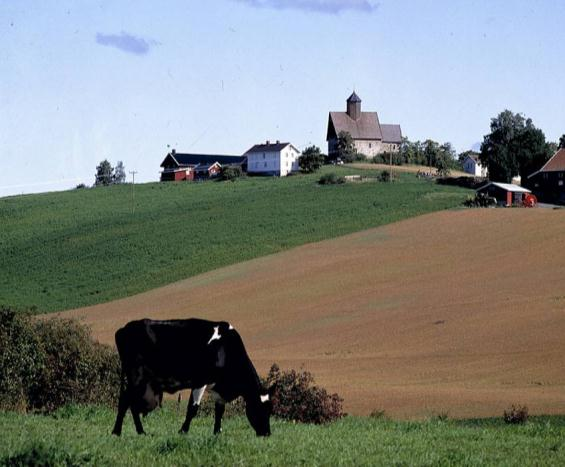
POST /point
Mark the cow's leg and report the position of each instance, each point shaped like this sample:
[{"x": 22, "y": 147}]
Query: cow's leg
[
  {"x": 123, "y": 406},
  {"x": 218, "y": 414},
  {"x": 192, "y": 409},
  {"x": 137, "y": 422}
]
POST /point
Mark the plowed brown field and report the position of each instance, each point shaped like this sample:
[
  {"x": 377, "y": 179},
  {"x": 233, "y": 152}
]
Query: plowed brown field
[{"x": 460, "y": 312}]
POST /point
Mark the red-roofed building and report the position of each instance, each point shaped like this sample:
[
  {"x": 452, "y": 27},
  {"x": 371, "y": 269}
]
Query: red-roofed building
[{"x": 548, "y": 183}]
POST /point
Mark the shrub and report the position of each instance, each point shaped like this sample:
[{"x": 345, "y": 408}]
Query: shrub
[
  {"x": 516, "y": 415},
  {"x": 384, "y": 176},
  {"x": 296, "y": 398},
  {"x": 331, "y": 179},
  {"x": 21, "y": 360},
  {"x": 45, "y": 364},
  {"x": 40, "y": 454},
  {"x": 480, "y": 200},
  {"x": 231, "y": 172}
]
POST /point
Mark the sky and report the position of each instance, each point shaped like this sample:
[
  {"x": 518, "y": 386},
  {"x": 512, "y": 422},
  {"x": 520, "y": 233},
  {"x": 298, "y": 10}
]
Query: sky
[{"x": 85, "y": 81}]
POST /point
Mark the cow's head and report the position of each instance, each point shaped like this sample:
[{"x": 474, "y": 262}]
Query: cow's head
[{"x": 258, "y": 410}]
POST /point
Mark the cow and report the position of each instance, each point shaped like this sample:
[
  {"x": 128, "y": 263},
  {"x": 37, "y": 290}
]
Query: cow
[{"x": 167, "y": 356}]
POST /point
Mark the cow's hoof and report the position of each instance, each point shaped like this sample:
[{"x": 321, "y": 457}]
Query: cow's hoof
[
  {"x": 116, "y": 433},
  {"x": 218, "y": 432}
]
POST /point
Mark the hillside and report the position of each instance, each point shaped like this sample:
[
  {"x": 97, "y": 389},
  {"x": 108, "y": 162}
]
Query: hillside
[
  {"x": 81, "y": 247},
  {"x": 458, "y": 311}
]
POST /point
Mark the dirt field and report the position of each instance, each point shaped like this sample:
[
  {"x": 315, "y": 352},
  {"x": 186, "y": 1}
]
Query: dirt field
[
  {"x": 459, "y": 312},
  {"x": 404, "y": 168}
]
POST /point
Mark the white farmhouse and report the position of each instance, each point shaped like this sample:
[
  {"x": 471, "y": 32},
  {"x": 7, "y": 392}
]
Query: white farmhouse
[
  {"x": 471, "y": 165},
  {"x": 272, "y": 159}
]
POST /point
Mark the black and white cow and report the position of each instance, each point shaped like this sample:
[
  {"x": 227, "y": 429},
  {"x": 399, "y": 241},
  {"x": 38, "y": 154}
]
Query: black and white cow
[{"x": 167, "y": 356}]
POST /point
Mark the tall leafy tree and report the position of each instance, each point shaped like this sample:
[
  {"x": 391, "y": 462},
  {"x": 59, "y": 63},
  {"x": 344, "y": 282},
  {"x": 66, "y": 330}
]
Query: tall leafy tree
[
  {"x": 104, "y": 174},
  {"x": 119, "y": 173},
  {"x": 311, "y": 159},
  {"x": 562, "y": 142},
  {"x": 513, "y": 147},
  {"x": 346, "y": 150}
]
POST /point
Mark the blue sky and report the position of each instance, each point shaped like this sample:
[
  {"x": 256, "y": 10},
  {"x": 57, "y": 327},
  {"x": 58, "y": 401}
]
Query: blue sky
[{"x": 85, "y": 81}]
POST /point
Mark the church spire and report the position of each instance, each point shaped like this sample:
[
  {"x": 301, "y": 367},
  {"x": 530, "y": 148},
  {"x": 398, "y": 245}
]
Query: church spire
[{"x": 354, "y": 106}]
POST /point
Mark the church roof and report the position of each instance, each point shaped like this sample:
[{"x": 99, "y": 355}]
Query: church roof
[
  {"x": 391, "y": 133},
  {"x": 367, "y": 126}
]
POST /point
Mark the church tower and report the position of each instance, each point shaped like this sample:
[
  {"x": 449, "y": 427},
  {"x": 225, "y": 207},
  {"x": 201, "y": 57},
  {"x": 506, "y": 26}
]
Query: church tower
[{"x": 354, "y": 106}]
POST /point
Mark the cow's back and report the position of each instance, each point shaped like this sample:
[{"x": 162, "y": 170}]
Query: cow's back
[{"x": 176, "y": 350}]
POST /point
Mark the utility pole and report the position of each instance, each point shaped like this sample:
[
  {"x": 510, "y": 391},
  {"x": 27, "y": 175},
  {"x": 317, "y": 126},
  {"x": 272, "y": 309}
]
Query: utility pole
[
  {"x": 133, "y": 172},
  {"x": 390, "y": 162}
]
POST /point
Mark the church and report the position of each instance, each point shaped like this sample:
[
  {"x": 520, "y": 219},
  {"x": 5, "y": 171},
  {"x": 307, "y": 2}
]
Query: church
[{"x": 369, "y": 135}]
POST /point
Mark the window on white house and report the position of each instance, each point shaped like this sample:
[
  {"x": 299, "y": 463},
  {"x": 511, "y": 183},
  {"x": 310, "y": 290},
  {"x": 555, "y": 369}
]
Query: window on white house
[{"x": 265, "y": 164}]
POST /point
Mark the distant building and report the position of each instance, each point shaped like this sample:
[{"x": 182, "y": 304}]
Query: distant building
[
  {"x": 369, "y": 135},
  {"x": 506, "y": 194},
  {"x": 272, "y": 159},
  {"x": 548, "y": 183},
  {"x": 178, "y": 166},
  {"x": 472, "y": 165}
]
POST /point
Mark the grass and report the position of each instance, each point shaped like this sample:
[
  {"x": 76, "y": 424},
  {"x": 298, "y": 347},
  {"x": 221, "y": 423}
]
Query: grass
[
  {"x": 82, "y": 247},
  {"x": 80, "y": 435}
]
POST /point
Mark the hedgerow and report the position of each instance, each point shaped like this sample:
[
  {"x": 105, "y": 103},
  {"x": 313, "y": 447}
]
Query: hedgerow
[{"x": 45, "y": 364}]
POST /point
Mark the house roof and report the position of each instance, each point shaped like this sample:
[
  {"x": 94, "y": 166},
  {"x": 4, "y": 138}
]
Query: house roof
[
  {"x": 269, "y": 147},
  {"x": 555, "y": 164},
  {"x": 183, "y": 159},
  {"x": 506, "y": 187},
  {"x": 391, "y": 133},
  {"x": 205, "y": 167},
  {"x": 367, "y": 126}
]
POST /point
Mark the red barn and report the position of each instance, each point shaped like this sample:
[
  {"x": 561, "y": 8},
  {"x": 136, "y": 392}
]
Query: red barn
[{"x": 178, "y": 166}]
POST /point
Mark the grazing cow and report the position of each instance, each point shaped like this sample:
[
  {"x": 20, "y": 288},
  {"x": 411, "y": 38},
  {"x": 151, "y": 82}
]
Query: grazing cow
[{"x": 167, "y": 356}]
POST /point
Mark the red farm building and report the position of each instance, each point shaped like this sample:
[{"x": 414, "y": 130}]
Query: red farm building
[
  {"x": 505, "y": 193},
  {"x": 179, "y": 166}
]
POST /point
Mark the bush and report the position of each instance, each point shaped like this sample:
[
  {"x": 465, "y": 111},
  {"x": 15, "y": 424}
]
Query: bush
[
  {"x": 384, "y": 176},
  {"x": 516, "y": 415},
  {"x": 296, "y": 398},
  {"x": 46, "y": 364},
  {"x": 480, "y": 200},
  {"x": 39, "y": 454},
  {"x": 231, "y": 172},
  {"x": 331, "y": 179}
]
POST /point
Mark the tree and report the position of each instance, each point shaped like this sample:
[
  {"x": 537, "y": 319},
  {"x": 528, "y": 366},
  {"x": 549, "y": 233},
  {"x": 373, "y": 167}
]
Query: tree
[
  {"x": 346, "y": 150},
  {"x": 104, "y": 174},
  {"x": 119, "y": 173},
  {"x": 562, "y": 142},
  {"x": 311, "y": 159},
  {"x": 513, "y": 147}
]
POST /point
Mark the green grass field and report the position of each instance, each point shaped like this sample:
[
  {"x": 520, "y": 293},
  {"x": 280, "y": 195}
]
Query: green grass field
[
  {"x": 81, "y": 435},
  {"x": 76, "y": 248}
]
